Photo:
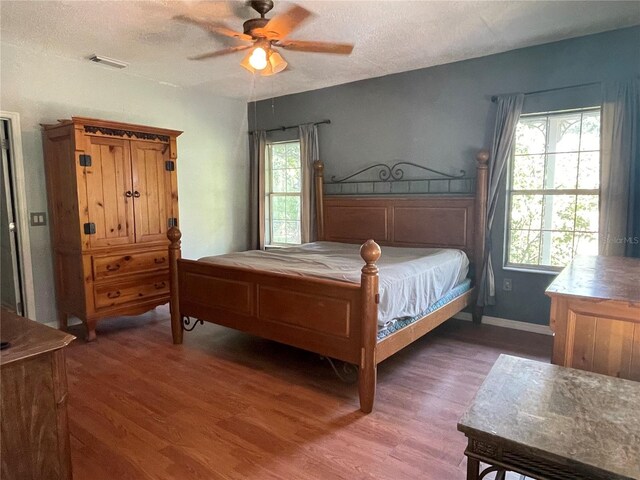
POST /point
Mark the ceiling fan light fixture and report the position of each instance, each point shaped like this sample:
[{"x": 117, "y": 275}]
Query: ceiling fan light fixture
[
  {"x": 276, "y": 62},
  {"x": 267, "y": 71},
  {"x": 245, "y": 62},
  {"x": 258, "y": 58}
]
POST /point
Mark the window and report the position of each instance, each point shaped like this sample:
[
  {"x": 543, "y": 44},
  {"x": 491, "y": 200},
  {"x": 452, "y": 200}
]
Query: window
[
  {"x": 284, "y": 197},
  {"x": 552, "y": 189}
]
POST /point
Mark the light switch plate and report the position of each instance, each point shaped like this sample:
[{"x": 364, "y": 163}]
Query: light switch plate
[{"x": 38, "y": 219}]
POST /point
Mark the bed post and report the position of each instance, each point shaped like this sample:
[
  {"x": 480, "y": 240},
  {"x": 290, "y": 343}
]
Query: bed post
[
  {"x": 318, "y": 169},
  {"x": 482, "y": 177},
  {"x": 174, "y": 236},
  {"x": 370, "y": 253}
]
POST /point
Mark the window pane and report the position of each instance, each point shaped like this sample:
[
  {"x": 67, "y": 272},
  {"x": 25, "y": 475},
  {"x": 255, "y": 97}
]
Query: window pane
[
  {"x": 279, "y": 183},
  {"x": 562, "y": 171},
  {"x": 293, "y": 232},
  {"x": 587, "y": 213},
  {"x": 279, "y": 232},
  {"x": 524, "y": 247},
  {"x": 278, "y": 156},
  {"x": 586, "y": 244},
  {"x": 293, "y": 180},
  {"x": 559, "y": 212},
  {"x": 284, "y": 178},
  {"x": 561, "y": 248},
  {"x": 526, "y": 212},
  {"x": 589, "y": 172},
  {"x": 279, "y": 207},
  {"x": 558, "y": 153},
  {"x": 590, "y": 131},
  {"x": 531, "y": 136},
  {"x": 528, "y": 171},
  {"x": 564, "y": 133},
  {"x": 293, "y": 208},
  {"x": 293, "y": 155}
]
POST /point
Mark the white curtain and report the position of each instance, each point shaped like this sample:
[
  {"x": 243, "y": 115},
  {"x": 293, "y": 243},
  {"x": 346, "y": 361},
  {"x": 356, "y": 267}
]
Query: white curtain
[
  {"x": 508, "y": 113},
  {"x": 257, "y": 154},
  {"x": 620, "y": 170},
  {"x": 309, "y": 153}
]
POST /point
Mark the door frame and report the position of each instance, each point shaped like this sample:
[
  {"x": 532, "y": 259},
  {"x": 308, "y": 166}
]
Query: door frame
[{"x": 22, "y": 212}]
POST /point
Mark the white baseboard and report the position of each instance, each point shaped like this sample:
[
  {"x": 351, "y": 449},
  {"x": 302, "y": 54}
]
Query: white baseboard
[{"x": 505, "y": 323}]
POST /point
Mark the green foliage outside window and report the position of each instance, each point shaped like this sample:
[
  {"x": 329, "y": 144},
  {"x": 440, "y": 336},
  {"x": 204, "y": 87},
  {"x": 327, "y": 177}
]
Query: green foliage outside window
[
  {"x": 285, "y": 177},
  {"x": 553, "y": 189}
]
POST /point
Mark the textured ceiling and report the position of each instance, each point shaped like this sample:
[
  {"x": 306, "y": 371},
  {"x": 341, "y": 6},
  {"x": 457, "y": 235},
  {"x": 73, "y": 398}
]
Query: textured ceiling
[{"x": 389, "y": 36}]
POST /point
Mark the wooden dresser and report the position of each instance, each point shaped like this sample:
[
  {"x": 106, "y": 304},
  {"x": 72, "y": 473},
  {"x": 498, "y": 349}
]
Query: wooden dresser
[
  {"x": 113, "y": 194},
  {"x": 35, "y": 435},
  {"x": 595, "y": 315}
]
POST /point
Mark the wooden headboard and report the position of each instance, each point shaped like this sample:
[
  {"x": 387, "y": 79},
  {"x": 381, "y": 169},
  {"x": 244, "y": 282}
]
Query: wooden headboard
[{"x": 451, "y": 220}]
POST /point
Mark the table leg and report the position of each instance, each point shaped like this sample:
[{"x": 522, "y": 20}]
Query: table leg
[{"x": 473, "y": 469}]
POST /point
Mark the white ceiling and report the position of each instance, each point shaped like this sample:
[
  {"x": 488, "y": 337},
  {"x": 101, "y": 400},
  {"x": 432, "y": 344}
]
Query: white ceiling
[{"x": 390, "y": 36}]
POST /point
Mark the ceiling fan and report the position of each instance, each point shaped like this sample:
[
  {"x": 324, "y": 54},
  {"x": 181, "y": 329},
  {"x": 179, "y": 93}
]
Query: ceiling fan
[{"x": 265, "y": 35}]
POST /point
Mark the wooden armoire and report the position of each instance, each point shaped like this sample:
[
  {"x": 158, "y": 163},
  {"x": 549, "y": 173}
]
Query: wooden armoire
[{"x": 113, "y": 194}]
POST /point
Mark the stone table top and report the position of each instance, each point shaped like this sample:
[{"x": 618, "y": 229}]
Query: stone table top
[{"x": 576, "y": 417}]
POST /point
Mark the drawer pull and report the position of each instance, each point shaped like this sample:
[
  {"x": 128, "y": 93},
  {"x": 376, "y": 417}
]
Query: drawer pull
[
  {"x": 115, "y": 294},
  {"x": 159, "y": 260},
  {"x": 113, "y": 268},
  {"x": 160, "y": 285}
]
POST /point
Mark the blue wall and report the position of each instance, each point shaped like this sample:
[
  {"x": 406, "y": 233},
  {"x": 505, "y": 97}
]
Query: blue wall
[{"x": 440, "y": 116}]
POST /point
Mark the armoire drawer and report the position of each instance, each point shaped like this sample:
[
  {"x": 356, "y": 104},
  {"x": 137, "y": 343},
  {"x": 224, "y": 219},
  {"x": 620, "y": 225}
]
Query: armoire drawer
[
  {"x": 130, "y": 290},
  {"x": 108, "y": 266}
]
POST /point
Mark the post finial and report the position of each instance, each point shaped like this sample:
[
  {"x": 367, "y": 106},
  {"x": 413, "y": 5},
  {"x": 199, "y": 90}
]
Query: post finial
[
  {"x": 174, "y": 235},
  {"x": 318, "y": 167},
  {"x": 482, "y": 157},
  {"x": 370, "y": 252}
]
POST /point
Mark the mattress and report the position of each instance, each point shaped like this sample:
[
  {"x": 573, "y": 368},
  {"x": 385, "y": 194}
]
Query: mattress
[{"x": 411, "y": 280}]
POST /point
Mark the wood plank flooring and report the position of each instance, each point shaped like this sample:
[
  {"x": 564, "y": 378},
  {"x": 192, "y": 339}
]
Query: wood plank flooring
[{"x": 226, "y": 405}]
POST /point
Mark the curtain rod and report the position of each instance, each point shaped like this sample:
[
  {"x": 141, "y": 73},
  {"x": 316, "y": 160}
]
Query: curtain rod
[
  {"x": 494, "y": 98},
  {"x": 283, "y": 128}
]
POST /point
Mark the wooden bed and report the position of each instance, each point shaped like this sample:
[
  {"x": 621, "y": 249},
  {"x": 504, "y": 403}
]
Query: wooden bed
[{"x": 333, "y": 318}]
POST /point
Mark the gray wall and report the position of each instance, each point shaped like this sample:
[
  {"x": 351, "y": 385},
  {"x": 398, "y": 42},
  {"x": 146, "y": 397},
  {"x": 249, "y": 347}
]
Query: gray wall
[
  {"x": 441, "y": 116},
  {"x": 212, "y": 151}
]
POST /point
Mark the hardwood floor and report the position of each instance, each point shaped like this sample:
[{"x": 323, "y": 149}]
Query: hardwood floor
[{"x": 226, "y": 405}]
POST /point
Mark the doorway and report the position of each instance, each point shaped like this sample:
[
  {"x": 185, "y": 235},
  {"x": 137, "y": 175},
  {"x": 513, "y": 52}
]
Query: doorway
[{"x": 16, "y": 277}]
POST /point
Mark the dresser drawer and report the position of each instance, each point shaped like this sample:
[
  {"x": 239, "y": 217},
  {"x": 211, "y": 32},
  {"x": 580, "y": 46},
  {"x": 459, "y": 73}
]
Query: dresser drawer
[
  {"x": 130, "y": 290},
  {"x": 113, "y": 265}
]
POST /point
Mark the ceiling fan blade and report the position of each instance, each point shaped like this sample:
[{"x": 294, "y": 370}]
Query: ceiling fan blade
[
  {"x": 318, "y": 47},
  {"x": 213, "y": 27},
  {"x": 282, "y": 25},
  {"x": 219, "y": 53}
]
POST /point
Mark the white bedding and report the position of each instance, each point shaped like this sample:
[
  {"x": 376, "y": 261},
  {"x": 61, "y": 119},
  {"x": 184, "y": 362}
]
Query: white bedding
[{"x": 411, "y": 279}]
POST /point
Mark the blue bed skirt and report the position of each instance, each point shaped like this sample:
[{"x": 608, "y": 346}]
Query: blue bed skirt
[{"x": 399, "y": 323}]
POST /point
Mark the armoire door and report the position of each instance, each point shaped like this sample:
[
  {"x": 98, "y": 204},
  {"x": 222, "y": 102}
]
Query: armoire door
[
  {"x": 109, "y": 193},
  {"x": 151, "y": 185}
]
